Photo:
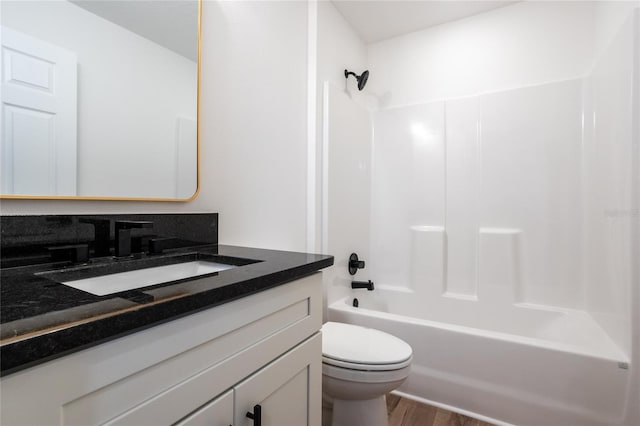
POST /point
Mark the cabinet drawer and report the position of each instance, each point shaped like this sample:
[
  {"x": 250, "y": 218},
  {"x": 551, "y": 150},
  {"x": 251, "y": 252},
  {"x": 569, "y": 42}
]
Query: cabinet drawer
[
  {"x": 288, "y": 390},
  {"x": 218, "y": 412}
]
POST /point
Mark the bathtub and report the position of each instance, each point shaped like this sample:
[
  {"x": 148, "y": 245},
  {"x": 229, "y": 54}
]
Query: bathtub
[{"x": 516, "y": 364}]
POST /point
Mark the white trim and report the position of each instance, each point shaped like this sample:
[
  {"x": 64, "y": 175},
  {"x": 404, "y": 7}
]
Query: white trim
[
  {"x": 325, "y": 166},
  {"x": 312, "y": 190}
]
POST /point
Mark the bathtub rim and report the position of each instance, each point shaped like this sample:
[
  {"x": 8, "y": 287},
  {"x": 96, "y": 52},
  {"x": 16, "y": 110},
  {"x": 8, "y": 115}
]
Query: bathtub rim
[{"x": 622, "y": 359}]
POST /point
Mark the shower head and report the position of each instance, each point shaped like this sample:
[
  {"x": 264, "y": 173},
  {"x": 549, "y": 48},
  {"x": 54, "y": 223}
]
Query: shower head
[{"x": 362, "y": 78}]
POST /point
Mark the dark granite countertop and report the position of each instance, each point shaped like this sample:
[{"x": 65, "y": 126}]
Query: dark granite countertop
[{"x": 42, "y": 319}]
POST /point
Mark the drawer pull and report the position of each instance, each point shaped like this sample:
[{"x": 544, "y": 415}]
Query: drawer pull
[{"x": 256, "y": 416}]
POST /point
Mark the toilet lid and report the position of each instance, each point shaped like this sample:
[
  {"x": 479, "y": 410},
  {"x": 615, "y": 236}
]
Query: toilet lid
[{"x": 352, "y": 344}]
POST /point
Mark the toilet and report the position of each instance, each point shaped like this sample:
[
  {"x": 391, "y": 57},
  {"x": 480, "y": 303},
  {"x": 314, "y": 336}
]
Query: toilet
[{"x": 359, "y": 366}]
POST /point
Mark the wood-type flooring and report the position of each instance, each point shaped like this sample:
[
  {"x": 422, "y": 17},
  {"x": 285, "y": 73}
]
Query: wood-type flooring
[{"x": 405, "y": 412}]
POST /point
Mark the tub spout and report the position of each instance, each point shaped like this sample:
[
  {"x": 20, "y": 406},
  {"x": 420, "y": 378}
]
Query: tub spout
[{"x": 362, "y": 284}]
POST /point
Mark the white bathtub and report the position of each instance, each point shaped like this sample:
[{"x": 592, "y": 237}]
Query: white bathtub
[{"x": 520, "y": 364}]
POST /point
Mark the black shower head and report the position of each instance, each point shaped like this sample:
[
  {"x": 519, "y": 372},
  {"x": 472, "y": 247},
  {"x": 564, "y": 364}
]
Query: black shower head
[{"x": 362, "y": 78}]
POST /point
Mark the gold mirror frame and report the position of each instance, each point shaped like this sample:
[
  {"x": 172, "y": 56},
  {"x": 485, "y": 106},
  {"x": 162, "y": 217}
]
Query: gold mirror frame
[{"x": 105, "y": 198}]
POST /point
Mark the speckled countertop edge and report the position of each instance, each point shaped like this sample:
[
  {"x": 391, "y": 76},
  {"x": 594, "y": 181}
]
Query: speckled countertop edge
[{"x": 180, "y": 299}]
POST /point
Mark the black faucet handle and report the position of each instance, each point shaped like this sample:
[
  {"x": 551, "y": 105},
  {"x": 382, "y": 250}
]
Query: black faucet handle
[
  {"x": 123, "y": 235},
  {"x": 159, "y": 245},
  {"x": 141, "y": 243},
  {"x": 355, "y": 264},
  {"x": 76, "y": 253}
]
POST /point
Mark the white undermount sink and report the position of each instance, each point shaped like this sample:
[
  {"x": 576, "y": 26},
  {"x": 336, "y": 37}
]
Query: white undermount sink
[{"x": 122, "y": 281}]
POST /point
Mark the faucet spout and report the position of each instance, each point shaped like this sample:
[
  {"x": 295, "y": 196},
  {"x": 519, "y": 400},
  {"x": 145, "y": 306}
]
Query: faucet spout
[
  {"x": 362, "y": 284},
  {"x": 102, "y": 232}
]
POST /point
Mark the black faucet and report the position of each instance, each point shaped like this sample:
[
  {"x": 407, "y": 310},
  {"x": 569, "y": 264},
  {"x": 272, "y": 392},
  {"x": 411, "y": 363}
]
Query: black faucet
[
  {"x": 355, "y": 264},
  {"x": 362, "y": 284},
  {"x": 102, "y": 238},
  {"x": 74, "y": 253},
  {"x": 159, "y": 245},
  {"x": 123, "y": 235}
]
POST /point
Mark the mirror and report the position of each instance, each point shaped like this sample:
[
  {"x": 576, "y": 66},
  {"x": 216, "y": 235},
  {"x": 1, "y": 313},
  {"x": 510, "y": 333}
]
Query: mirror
[{"x": 100, "y": 99}]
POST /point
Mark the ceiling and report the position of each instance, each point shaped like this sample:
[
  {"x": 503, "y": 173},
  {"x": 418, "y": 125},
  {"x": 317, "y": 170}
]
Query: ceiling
[
  {"x": 169, "y": 23},
  {"x": 173, "y": 23},
  {"x": 376, "y": 20}
]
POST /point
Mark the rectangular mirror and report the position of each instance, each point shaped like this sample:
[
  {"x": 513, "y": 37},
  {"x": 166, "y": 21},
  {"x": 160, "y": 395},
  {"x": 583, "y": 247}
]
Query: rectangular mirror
[{"x": 100, "y": 99}]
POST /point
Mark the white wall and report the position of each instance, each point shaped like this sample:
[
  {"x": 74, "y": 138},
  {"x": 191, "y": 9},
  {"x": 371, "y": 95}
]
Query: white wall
[
  {"x": 253, "y": 131},
  {"x": 258, "y": 117},
  {"x": 339, "y": 48},
  {"x": 611, "y": 166},
  {"x": 633, "y": 413},
  {"x": 345, "y": 147},
  {"x": 523, "y": 44},
  {"x": 131, "y": 93}
]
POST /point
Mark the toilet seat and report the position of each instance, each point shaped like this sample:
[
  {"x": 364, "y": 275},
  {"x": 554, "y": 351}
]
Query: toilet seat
[
  {"x": 362, "y": 376},
  {"x": 365, "y": 367},
  {"x": 358, "y": 348}
]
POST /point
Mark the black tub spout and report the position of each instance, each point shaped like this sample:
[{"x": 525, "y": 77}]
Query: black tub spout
[{"x": 362, "y": 284}]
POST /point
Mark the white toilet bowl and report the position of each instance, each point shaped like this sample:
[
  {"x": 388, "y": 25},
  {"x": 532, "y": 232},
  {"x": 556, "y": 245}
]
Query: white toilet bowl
[{"x": 359, "y": 366}]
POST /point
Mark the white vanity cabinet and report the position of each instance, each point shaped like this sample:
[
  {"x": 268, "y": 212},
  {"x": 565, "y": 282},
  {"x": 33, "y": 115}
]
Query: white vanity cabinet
[
  {"x": 218, "y": 412},
  {"x": 280, "y": 389},
  {"x": 208, "y": 368}
]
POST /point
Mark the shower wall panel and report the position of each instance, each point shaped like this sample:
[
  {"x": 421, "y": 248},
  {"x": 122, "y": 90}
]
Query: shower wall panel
[
  {"x": 530, "y": 180},
  {"x": 407, "y": 184},
  {"x": 608, "y": 170},
  {"x": 500, "y": 164},
  {"x": 462, "y": 182}
]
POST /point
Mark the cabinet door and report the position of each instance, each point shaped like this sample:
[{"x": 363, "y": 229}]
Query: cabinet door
[
  {"x": 288, "y": 390},
  {"x": 218, "y": 412}
]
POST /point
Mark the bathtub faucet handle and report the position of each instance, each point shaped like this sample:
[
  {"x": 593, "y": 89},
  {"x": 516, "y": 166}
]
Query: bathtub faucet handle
[
  {"x": 362, "y": 284},
  {"x": 355, "y": 264}
]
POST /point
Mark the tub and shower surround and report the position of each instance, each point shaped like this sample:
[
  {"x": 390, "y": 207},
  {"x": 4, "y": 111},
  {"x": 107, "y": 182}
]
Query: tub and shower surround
[
  {"x": 480, "y": 258},
  {"x": 520, "y": 197},
  {"x": 490, "y": 202},
  {"x": 515, "y": 185},
  {"x": 476, "y": 251},
  {"x": 501, "y": 242}
]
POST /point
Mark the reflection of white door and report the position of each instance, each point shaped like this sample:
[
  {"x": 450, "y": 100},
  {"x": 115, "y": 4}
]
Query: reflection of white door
[{"x": 39, "y": 116}]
